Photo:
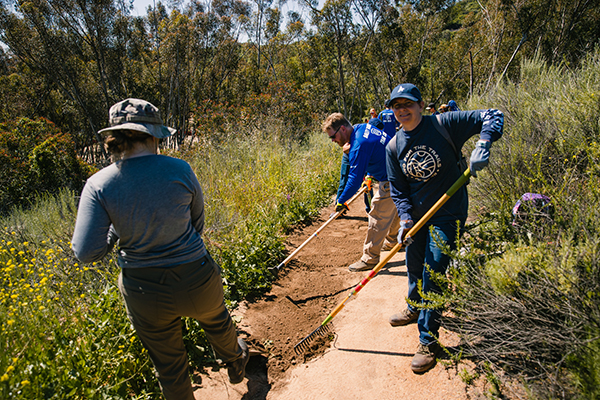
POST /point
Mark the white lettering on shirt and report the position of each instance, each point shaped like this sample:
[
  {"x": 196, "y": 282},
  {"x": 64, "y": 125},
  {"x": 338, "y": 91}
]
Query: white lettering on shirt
[{"x": 421, "y": 163}]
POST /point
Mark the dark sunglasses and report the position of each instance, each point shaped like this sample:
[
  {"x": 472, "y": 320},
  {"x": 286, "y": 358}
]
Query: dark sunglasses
[{"x": 335, "y": 133}]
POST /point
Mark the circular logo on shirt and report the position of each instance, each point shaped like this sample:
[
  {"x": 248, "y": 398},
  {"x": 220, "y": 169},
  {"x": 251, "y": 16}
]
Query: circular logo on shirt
[{"x": 421, "y": 163}]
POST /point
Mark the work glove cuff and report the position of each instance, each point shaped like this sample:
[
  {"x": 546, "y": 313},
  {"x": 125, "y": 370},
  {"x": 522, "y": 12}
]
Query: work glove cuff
[
  {"x": 405, "y": 225},
  {"x": 486, "y": 144}
]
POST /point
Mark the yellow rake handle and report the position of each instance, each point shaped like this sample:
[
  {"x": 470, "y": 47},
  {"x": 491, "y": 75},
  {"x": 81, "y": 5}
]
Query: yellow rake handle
[{"x": 459, "y": 182}]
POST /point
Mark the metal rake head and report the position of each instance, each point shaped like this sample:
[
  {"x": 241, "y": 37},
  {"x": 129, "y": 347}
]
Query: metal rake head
[
  {"x": 304, "y": 344},
  {"x": 275, "y": 270}
]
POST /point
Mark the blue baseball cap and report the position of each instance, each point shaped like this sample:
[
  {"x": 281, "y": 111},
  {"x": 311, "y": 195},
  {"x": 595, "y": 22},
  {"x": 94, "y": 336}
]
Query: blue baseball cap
[{"x": 406, "y": 91}]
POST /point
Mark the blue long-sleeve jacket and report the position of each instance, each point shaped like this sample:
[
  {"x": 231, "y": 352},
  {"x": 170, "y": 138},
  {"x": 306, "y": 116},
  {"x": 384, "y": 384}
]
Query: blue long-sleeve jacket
[
  {"x": 367, "y": 155},
  {"x": 426, "y": 166}
]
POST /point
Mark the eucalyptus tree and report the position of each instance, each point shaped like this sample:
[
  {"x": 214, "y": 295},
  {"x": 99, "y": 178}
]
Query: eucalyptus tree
[
  {"x": 70, "y": 43},
  {"x": 218, "y": 25},
  {"x": 335, "y": 29}
]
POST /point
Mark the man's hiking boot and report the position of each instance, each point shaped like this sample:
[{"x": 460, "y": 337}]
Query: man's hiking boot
[
  {"x": 237, "y": 369},
  {"x": 360, "y": 265},
  {"x": 387, "y": 246},
  {"x": 424, "y": 358},
  {"x": 404, "y": 318}
]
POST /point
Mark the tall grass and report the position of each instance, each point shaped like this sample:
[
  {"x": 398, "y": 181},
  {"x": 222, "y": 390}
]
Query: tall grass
[
  {"x": 526, "y": 298},
  {"x": 552, "y": 136},
  {"x": 257, "y": 187},
  {"x": 64, "y": 332}
]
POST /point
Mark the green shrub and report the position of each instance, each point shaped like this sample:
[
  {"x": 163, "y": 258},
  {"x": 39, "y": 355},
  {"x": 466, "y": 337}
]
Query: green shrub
[
  {"x": 279, "y": 113},
  {"x": 64, "y": 332},
  {"x": 36, "y": 158}
]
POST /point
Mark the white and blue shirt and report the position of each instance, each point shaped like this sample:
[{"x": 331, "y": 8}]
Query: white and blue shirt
[{"x": 367, "y": 155}]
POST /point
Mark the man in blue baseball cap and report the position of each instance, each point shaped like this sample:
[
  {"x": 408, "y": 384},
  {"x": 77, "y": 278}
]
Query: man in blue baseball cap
[{"x": 422, "y": 164}]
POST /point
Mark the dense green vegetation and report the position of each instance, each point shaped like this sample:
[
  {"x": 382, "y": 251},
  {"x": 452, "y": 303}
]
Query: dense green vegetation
[
  {"x": 64, "y": 332},
  {"x": 69, "y": 61},
  {"x": 524, "y": 298},
  {"x": 36, "y": 158}
]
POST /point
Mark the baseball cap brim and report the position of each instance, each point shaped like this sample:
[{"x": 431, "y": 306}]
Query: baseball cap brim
[{"x": 404, "y": 96}]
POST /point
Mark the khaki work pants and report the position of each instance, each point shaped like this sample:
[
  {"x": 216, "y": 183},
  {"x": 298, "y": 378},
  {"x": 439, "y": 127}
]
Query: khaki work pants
[
  {"x": 384, "y": 223},
  {"x": 157, "y": 298}
]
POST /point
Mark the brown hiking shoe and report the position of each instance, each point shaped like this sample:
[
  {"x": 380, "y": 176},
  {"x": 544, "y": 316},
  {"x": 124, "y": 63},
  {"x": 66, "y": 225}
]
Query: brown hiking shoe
[
  {"x": 387, "y": 246},
  {"x": 237, "y": 369},
  {"x": 424, "y": 358},
  {"x": 360, "y": 265},
  {"x": 404, "y": 318}
]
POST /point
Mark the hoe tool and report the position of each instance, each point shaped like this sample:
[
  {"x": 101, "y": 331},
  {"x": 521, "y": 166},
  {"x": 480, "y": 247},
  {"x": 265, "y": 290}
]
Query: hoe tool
[
  {"x": 322, "y": 329},
  {"x": 275, "y": 270}
]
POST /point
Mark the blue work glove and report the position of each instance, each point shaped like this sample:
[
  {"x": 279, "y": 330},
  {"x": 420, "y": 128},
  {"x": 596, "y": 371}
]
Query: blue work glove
[
  {"x": 480, "y": 156},
  {"x": 405, "y": 225}
]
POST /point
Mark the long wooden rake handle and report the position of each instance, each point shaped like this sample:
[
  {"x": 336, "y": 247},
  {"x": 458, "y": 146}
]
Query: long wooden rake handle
[
  {"x": 314, "y": 235},
  {"x": 302, "y": 345}
]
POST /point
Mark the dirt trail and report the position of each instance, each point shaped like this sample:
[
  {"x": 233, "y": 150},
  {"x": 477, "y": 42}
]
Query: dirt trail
[{"x": 363, "y": 358}]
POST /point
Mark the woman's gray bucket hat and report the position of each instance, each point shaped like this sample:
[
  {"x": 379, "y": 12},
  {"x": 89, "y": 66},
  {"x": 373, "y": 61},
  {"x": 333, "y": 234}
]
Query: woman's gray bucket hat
[{"x": 137, "y": 115}]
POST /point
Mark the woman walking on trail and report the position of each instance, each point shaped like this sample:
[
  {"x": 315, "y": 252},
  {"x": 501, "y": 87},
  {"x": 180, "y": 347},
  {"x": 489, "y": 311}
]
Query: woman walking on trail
[
  {"x": 154, "y": 207},
  {"x": 421, "y": 170}
]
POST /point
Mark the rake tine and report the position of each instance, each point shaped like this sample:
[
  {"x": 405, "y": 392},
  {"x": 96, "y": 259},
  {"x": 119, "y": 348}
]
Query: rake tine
[{"x": 304, "y": 344}]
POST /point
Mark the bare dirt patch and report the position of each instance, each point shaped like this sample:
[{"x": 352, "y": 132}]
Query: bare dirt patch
[{"x": 362, "y": 358}]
